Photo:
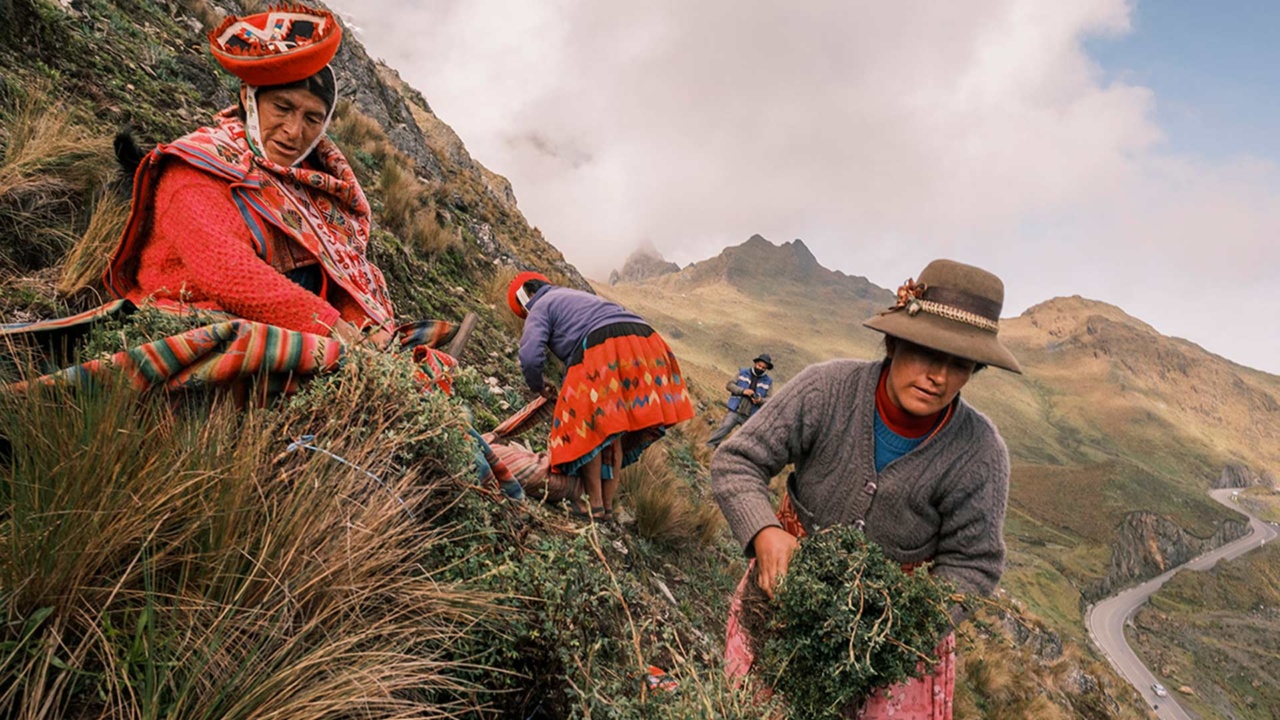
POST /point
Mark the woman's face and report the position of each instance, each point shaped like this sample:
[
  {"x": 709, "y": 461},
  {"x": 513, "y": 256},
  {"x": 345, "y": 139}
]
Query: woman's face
[
  {"x": 290, "y": 120},
  {"x": 923, "y": 381}
]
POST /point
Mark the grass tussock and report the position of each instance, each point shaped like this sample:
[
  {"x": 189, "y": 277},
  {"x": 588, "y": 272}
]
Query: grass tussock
[
  {"x": 85, "y": 264},
  {"x": 407, "y": 209},
  {"x": 353, "y": 130},
  {"x": 165, "y": 560},
  {"x": 49, "y": 166},
  {"x": 667, "y": 510}
]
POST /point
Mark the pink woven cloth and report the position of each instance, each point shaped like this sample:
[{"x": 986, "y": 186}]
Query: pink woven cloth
[{"x": 925, "y": 698}]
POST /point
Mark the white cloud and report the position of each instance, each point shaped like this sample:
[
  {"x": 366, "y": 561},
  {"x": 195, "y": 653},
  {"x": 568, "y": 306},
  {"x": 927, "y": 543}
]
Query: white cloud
[{"x": 883, "y": 134}]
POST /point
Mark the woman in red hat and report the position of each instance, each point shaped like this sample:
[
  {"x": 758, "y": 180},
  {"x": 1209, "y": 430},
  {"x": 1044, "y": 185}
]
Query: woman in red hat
[
  {"x": 622, "y": 386},
  {"x": 259, "y": 214}
]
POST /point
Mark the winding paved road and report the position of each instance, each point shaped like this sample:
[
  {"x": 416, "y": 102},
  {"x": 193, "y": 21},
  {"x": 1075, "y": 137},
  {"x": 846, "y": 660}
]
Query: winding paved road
[{"x": 1106, "y": 620}]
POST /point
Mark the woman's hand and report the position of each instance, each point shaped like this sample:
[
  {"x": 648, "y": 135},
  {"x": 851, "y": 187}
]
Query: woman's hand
[
  {"x": 350, "y": 335},
  {"x": 774, "y": 548},
  {"x": 346, "y": 333},
  {"x": 381, "y": 339}
]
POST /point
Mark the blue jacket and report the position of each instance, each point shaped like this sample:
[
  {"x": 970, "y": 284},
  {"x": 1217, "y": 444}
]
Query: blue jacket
[
  {"x": 742, "y": 382},
  {"x": 560, "y": 318}
]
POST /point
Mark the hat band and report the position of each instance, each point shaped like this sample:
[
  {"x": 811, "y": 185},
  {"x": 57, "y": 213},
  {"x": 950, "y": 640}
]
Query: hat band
[
  {"x": 951, "y": 312},
  {"x": 963, "y": 300}
]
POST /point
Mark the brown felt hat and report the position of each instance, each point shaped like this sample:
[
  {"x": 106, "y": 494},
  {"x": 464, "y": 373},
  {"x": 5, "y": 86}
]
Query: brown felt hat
[{"x": 955, "y": 309}]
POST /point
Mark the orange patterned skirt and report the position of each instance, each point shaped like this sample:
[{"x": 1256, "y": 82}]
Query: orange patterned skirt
[{"x": 626, "y": 388}]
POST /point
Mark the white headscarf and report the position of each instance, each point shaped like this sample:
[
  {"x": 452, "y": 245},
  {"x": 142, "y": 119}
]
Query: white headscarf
[{"x": 253, "y": 125}]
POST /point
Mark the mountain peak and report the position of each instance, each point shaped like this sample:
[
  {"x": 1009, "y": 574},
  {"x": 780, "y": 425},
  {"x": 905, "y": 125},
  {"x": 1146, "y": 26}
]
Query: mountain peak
[
  {"x": 645, "y": 263},
  {"x": 1072, "y": 311},
  {"x": 759, "y": 267}
]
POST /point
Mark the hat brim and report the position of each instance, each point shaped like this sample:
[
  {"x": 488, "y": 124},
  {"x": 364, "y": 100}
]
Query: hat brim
[{"x": 948, "y": 336}]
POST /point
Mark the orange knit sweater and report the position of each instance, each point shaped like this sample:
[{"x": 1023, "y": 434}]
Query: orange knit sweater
[{"x": 200, "y": 251}]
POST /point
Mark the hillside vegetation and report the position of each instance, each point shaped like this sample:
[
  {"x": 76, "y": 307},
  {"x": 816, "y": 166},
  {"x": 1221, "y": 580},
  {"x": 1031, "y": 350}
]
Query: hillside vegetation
[
  {"x": 179, "y": 556},
  {"x": 1214, "y": 637}
]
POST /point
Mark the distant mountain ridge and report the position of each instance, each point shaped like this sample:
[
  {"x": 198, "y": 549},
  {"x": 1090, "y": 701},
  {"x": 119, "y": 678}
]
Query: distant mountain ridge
[{"x": 759, "y": 267}]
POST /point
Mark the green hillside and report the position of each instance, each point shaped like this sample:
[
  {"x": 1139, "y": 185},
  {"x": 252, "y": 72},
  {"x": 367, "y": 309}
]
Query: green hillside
[
  {"x": 166, "y": 556},
  {"x": 1214, "y": 637}
]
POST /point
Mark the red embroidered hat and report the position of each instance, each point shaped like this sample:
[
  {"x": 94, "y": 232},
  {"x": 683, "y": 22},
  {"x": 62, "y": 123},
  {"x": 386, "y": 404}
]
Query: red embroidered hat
[
  {"x": 286, "y": 44},
  {"x": 514, "y": 290}
]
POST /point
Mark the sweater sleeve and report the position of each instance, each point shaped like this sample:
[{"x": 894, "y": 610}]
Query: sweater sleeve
[
  {"x": 533, "y": 347},
  {"x": 210, "y": 236},
  {"x": 971, "y": 549},
  {"x": 779, "y": 433}
]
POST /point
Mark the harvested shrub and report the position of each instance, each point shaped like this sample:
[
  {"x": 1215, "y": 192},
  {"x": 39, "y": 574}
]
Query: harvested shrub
[{"x": 845, "y": 620}]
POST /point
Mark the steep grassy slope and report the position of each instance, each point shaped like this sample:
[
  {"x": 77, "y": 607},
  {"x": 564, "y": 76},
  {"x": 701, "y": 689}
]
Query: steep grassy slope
[
  {"x": 1115, "y": 431},
  {"x": 576, "y": 614}
]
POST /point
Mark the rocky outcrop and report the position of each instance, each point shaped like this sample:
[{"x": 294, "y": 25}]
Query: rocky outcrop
[
  {"x": 1148, "y": 544},
  {"x": 1236, "y": 476},
  {"x": 643, "y": 264}
]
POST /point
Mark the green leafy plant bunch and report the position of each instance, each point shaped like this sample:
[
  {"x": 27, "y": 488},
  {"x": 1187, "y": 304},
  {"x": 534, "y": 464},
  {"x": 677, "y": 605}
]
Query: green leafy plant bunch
[{"x": 844, "y": 621}]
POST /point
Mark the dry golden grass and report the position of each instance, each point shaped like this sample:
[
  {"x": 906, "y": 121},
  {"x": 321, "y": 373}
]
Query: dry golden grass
[
  {"x": 353, "y": 129},
  {"x": 494, "y": 292},
  {"x": 48, "y": 165},
  {"x": 407, "y": 208},
  {"x": 428, "y": 236},
  {"x": 156, "y": 561},
  {"x": 84, "y": 265},
  {"x": 654, "y": 495},
  {"x": 666, "y": 510},
  {"x": 45, "y": 151},
  {"x": 402, "y": 195}
]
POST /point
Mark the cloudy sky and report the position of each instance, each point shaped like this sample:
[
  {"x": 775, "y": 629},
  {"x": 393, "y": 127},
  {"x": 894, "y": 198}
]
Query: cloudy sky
[{"x": 1122, "y": 151}]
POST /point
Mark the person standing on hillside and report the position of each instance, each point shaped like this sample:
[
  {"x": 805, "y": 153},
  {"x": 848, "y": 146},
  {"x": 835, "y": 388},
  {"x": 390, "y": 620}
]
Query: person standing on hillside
[
  {"x": 890, "y": 448},
  {"x": 747, "y": 392},
  {"x": 622, "y": 386}
]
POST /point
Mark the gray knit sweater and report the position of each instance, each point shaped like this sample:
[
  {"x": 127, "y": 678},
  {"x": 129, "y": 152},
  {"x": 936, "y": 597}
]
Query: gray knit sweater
[{"x": 943, "y": 501}]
